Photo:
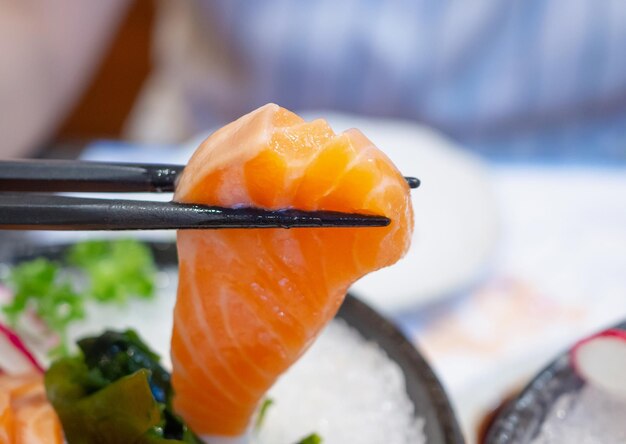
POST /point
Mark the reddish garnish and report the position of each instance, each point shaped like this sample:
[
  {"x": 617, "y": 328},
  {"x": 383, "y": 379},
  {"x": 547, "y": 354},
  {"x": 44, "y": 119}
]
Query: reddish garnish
[
  {"x": 15, "y": 357},
  {"x": 601, "y": 361}
]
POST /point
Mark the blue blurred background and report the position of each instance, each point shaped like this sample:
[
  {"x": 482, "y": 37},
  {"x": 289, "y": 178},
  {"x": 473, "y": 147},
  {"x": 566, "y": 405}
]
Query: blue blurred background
[{"x": 507, "y": 79}]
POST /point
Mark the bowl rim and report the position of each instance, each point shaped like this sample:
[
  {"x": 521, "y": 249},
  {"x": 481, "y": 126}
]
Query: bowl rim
[
  {"x": 410, "y": 360},
  {"x": 537, "y": 398}
]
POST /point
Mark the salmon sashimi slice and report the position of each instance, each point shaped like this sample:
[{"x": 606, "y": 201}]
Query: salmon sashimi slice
[
  {"x": 250, "y": 301},
  {"x": 6, "y": 419},
  {"x": 26, "y": 416}
]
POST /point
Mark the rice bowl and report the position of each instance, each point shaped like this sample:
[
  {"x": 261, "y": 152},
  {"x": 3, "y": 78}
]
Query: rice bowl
[{"x": 371, "y": 351}]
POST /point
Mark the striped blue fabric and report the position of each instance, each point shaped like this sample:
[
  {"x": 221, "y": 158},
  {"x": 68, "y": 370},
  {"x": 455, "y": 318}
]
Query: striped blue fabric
[{"x": 523, "y": 77}]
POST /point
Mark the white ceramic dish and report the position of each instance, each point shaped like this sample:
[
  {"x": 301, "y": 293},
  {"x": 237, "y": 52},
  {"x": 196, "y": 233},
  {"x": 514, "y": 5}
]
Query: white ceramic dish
[{"x": 456, "y": 222}]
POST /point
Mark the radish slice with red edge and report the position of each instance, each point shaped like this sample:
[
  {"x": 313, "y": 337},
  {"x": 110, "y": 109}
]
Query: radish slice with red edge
[
  {"x": 14, "y": 355},
  {"x": 601, "y": 361}
]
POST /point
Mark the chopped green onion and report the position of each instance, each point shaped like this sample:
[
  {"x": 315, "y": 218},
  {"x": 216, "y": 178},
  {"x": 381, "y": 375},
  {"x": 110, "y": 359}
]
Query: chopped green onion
[
  {"x": 39, "y": 285},
  {"x": 313, "y": 438},
  {"x": 116, "y": 270},
  {"x": 267, "y": 403},
  {"x": 105, "y": 271}
]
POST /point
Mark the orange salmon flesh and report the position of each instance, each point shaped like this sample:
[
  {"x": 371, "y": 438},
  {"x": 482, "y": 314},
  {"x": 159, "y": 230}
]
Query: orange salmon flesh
[
  {"x": 26, "y": 416},
  {"x": 251, "y": 301}
]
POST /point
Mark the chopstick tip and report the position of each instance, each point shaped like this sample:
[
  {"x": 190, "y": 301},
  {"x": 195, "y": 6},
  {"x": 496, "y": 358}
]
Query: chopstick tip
[{"x": 413, "y": 182}]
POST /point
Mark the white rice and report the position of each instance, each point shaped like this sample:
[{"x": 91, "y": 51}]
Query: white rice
[
  {"x": 344, "y": 388},
  {"x": 587, "y": 417}
]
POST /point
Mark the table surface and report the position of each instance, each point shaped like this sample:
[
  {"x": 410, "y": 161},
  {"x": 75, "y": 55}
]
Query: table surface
[{"x": 559, "y": 274}]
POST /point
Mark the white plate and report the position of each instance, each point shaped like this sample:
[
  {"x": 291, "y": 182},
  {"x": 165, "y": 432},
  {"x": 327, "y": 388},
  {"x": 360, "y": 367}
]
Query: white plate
[
  {"x": 456, "y": 216},
  {"x": 456, "y": 222}
]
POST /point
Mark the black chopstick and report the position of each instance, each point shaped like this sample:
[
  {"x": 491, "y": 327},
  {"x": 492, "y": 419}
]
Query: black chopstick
[
  {"x": 83, "y": 176},
  {"x": 51, "y": 212}
]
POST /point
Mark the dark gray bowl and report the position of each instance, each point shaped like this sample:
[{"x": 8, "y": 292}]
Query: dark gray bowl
[
  {"x": 423, "y": 387},
  {"x": 521, "y": 420}
]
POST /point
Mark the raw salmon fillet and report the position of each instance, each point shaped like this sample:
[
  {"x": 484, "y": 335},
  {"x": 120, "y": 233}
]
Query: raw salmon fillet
[
  {"x": 250, "y": 302},
  {"x": 26, "y": 416}
]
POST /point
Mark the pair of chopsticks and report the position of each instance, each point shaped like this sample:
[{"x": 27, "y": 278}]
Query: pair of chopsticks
[{"x": 22, "y": 210}]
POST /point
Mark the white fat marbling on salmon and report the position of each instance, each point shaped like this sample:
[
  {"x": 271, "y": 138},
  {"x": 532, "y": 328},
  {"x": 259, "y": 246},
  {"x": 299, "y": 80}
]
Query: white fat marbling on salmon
[
  {"x": 268, "y": 334},
  {"x": 233, "y": 190},
  {"x": 243, "y": 145},
  {"x": 188, "y": 341}
]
